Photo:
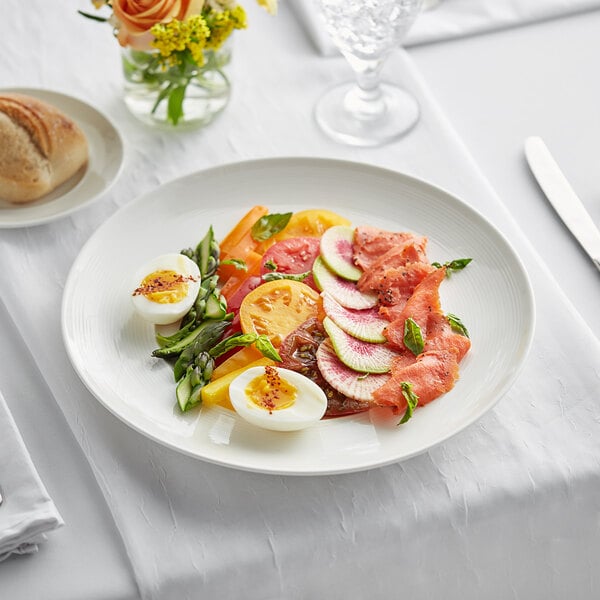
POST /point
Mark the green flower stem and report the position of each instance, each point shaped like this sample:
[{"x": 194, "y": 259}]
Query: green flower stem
[
  {"x": 161, "y": 96},
  {"x": 170, "y": 83}
]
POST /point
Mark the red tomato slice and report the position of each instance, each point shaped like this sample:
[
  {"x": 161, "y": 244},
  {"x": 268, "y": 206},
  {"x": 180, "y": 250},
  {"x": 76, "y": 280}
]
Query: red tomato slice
[
  {"x": 292, "y": 256},
  {"x": 233, "y": 304}
]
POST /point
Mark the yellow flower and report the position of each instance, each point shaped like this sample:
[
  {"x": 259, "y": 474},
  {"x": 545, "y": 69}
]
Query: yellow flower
[
  {"x": 269, "y": 5},
  {"x": 221, "y": 24},
  {"x": 178, "y": 36}
]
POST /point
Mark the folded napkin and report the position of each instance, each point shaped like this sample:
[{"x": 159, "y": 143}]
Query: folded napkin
[
  {"x": 27, "y": 512},
  {"x": 447, "y": 19}
]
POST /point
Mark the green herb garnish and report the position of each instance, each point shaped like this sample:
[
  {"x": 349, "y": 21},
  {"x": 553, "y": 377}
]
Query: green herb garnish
[
  {"x": 263, "y": 344},
  {"x": 413, "y": 337},
  {"x": 411, "y": 401},
  {"x": 269, "y": 225},
  {"x": 238, "y": 263},
  {"x": 292, "y": 276},
  {"x": 233, "y": 341},
  {"x": 458, "y": 264},
  {"x": 457, "y": 325},
  {"x": 266, "y": 348},
  {"x": 271, "y": 265}
]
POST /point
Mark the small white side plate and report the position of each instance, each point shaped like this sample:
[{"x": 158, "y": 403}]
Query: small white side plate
[{"x": 89, "y": 183}]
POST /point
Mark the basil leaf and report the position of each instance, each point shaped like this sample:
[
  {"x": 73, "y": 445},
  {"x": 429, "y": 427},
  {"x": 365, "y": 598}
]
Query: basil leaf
[
  {"x": 457, "y": 325},
  {"x": 233, "y": 341},
  {"x": 238, "y": 263},
  {"x": 266, "y": 348},
  {"x": 292, "y": 276},
  {"x": 413, "y": 337},
  {"x": 269, "y": 225},
  {"x": 411, "y": 400},
  {"x": 458, "y": 264}
]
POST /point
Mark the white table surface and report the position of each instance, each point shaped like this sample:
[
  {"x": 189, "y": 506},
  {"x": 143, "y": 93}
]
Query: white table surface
[
  {"x": 499, "y": 88},
  {"x": 496, "y": 89}
]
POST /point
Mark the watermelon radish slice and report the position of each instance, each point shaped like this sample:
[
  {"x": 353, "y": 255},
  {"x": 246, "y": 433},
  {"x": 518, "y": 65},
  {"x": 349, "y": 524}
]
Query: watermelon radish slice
[
  {"x": 345, "y": 380},
  {"x": 336, "y": 252},
  {"x": 345, "y": 292},
  {"x": 364, "y": 324},
  {"x": 356, "y": 354}
]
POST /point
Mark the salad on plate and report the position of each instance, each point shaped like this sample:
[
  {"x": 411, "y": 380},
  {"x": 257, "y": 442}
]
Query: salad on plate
[{"x": 296, "y": 317}]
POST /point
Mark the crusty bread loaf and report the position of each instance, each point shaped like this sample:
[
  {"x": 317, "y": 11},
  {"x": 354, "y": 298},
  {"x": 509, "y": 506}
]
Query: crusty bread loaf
[{"x": 40, "y": 148}]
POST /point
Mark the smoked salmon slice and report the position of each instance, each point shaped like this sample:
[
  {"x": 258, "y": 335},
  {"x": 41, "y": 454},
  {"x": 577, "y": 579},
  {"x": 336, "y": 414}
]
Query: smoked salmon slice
[
  {"x": 424, "y": 308},
  {"x": 396, "y": 286},
  {"x": 394, "y": 263},
  {"x": 424, "y": 302},
  {"x": 435, "y": 370},
  {"x": 432, "y": 374},
  {"x": 371, "y": 243},
  {"x": 441, "y": 336}
]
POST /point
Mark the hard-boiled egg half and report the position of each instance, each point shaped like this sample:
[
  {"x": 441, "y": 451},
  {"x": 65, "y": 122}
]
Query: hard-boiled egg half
[
  {"x": 166, "y": 288},
  {"x": 278, "y": 399}
]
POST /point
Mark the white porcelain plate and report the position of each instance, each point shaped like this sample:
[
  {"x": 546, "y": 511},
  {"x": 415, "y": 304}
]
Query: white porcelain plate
[
  {"x": 110, "y": 346},
  {"x": 89, "y": 183}
]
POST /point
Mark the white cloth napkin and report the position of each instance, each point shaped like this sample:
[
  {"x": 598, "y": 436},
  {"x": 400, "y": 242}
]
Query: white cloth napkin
[
  {"x": 27, "y": 512},
  {"x": 449, "y": 19},
  {"x": 425, "y": 528}
]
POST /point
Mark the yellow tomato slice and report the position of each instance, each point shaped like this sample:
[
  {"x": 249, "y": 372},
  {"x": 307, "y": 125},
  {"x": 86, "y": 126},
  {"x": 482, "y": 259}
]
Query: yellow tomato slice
[
  {"x": 312, "y": 222},
  {"x": 276, "y": 308}
]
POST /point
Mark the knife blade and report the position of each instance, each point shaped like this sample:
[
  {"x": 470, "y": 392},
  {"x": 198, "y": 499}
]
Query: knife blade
[{"x": 562, "y": 197}]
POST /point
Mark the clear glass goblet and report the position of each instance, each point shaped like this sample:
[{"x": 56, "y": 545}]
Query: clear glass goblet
[{"x": 367, "y": 112}]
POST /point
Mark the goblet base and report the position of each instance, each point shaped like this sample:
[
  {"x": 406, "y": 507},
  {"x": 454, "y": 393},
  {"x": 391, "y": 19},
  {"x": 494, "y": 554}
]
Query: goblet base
[{"x": 336, "y": 118}]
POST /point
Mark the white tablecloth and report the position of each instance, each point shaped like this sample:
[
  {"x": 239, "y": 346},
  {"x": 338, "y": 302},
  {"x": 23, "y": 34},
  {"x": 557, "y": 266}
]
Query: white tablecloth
[{"x": 475, "y": 516}]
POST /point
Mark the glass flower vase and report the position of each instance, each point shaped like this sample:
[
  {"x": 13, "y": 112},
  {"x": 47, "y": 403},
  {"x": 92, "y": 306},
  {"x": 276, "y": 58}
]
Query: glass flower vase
[{"x": 179, "y": 96}]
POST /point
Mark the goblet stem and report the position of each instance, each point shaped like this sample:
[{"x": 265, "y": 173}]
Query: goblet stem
[{"x": 366, "y": 99}]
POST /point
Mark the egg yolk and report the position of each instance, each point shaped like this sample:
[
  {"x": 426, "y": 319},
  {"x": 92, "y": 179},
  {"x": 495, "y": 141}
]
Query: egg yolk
[
  {"x": 271, "y": 392},
  {"x": 164, "y": 287}
]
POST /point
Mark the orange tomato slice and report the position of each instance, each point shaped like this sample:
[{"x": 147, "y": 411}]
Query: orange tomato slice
[
  {"x": 239, "y": 243},
  {"x": 241, "y": 232},
  {"x": 276, "y": 308}
]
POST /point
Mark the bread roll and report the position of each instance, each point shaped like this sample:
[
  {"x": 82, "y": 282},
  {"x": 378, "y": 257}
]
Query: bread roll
[{"x": 40, "y": 148}]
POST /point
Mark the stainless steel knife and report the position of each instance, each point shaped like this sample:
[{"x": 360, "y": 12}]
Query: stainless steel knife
[{"x": 562, "y": 197}]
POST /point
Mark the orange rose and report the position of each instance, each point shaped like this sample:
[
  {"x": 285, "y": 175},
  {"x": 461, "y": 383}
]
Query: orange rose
[{"x": 136, "y": 17}]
